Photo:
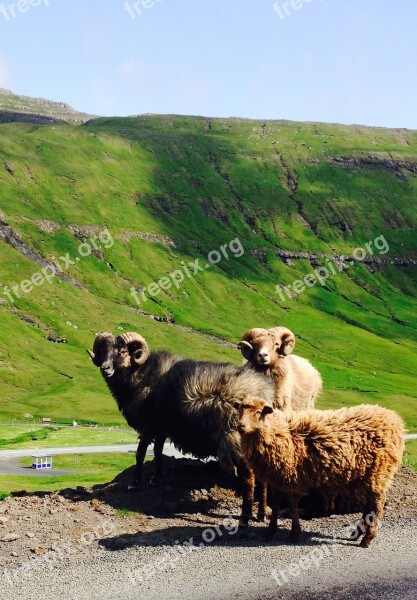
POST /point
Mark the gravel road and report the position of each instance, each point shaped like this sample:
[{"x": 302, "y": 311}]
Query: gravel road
[
  {"x": 180, "y": 541},
  {"x": 12, "y": 467},
  {"x": 239, "y": 567},
  {"x": 169, "y": 450},
  {"x": 25, "y": 452},
  {"x": 9, "y": 459}
]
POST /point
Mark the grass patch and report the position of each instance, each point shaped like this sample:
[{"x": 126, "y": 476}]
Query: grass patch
[
  {"x": 49, "y": 437},
  {"x": 126, "y": 513},
  {"x": 90, "y": 463},
  {"x": 34, "y": 435},
  {"x": 15, "y": 483},
  {"x": 10, "y": 432},
  {"x": 93, "y": 469},
  {"x": 410, "y": 454}
]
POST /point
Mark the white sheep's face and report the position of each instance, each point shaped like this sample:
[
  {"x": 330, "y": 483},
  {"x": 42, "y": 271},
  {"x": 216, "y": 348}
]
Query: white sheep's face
[
  {"x": 262, "y": 347},
  {"x": 263, "y": 351},
  {"x": 252, "y": 413}
]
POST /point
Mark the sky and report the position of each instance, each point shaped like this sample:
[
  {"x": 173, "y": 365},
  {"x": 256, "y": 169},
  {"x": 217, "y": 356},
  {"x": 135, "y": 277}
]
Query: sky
[{"x": 339, "y": 61}]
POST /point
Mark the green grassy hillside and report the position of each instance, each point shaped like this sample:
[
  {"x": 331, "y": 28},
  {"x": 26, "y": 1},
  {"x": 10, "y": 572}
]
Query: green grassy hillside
[{"x": 170, "y": 190}]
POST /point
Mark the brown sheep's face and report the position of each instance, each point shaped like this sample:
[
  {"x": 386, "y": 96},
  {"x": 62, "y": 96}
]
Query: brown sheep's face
[
  {"x": 262, "y": 347},
  {"x": 114, "y": 354},
  {"x": 252, "y": 413}
]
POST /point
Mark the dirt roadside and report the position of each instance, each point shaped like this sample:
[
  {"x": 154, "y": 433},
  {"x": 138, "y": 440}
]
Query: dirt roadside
[{"x": 105, "y": 518}]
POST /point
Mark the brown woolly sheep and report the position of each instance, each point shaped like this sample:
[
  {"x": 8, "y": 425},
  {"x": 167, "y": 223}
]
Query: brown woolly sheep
[
  {"x": 331, "y": 449},
  {"x": 297, "y": 382}
]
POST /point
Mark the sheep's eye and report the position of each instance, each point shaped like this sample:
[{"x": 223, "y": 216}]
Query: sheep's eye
[{"x": 123, "y": 351}]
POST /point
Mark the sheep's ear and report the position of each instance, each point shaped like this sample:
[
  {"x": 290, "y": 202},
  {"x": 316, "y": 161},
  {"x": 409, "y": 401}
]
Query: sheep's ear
[{"x": 267, "y": 410}]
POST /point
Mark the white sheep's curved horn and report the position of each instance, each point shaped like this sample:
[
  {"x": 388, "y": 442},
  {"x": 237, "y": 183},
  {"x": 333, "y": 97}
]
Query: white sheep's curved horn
[
  {"x": 245, "y": 343},
  {"x": 246, "y": 346},
  {"x": 246, "y": 349},
  {"x": 253, "y": 333},
  {"x": 91, "y": 354},
  {"x": 287, "y": 339},
  {"x": 137, "y": 345}
]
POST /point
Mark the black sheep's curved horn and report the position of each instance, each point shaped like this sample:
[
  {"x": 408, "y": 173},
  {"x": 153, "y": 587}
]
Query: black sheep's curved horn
[{"x": 138, "y": 347}]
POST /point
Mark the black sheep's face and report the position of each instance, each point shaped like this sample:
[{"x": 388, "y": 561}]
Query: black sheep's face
[
  {"x": 115, "y": 357},
  {"x": 115, "y": 354}
]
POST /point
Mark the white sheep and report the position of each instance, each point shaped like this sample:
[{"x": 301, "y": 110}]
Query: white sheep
[{"x": 297, "y": 382}]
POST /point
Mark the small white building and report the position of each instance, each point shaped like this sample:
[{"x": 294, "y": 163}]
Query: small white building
[{"x": 41, "y": 461}]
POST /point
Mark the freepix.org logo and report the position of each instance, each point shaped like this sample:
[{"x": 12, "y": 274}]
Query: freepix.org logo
[
  {"x": 333, "y": 266},
  {"x": 135, "y": 9},
  {"x": 14, "y": 9},
  {"x": 286, "y": 9},
  {"x": 57, "y": 266}
]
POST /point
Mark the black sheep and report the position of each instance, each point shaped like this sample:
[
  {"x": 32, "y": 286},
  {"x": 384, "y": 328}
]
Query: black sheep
[{"x": 192, "y": 403}]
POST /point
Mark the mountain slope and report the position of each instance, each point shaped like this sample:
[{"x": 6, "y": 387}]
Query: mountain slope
[
  {"x": 172, "y": 190},
  {"x": 13, "y": 106}
]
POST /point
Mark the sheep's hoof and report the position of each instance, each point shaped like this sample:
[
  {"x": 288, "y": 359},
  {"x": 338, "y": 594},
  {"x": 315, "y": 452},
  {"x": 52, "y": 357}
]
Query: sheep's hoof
[
  {"x": 365, "y": 543},
  {"x": 269, "y": 533},
  {"x": 244, "y": 522},
  {"x": 294, "y": 537}
]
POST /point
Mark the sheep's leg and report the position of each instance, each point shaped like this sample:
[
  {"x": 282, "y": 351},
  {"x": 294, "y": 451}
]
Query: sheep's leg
[
  {"x": 295, "y": 522},
  {"x": 273, "y": 520},
  {"x": 140, "y": 457},
  {"x": 372, "y": 519},
  {"x": 362, "y": 526},
  {"x": 158, "y": 450},
  {"x": 263, "y": 498},
  {"x": 329, "y": 498},
  {"x": 248, "y": 479}
]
